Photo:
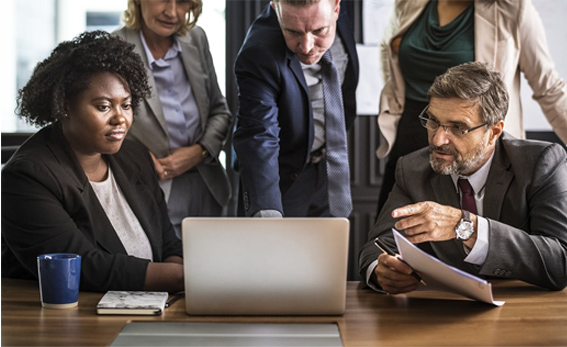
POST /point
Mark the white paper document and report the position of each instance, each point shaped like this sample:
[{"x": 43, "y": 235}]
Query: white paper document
[{"x": 442, "y": 277}]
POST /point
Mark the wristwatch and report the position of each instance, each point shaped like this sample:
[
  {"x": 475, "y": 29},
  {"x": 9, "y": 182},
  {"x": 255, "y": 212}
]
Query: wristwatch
[{"x": 465, "y": 228}]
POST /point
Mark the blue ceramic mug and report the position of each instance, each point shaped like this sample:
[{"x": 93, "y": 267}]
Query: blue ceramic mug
[{"x": 59, "y": 276}]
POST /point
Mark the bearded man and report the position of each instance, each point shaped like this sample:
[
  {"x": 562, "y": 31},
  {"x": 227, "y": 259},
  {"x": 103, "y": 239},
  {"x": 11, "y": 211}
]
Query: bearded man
[{"x": 477, "y": 198}]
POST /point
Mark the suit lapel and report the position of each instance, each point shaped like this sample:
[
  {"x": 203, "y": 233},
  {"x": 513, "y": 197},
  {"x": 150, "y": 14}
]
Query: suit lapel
[
  {"x": 101, "y": 230},
  {"x": 128, "y": 175},
  {"x": 412, "y": 11},
  {"x": 192, "y": 65},
  {"x": 62, "y": 151},
  {"x": 343, "y": 31},
  {"x": 497, "y": 183},
  {"x": 295, "y": 67},
  {"x": 486, "y": 31},
  {"x": 153, "y": 101},
  {"x": 445, "y": 191}
]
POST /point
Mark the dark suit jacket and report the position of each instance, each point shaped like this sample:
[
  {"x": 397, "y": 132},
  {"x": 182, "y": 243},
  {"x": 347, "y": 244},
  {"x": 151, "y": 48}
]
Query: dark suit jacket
[
  {"x": 48, "y": 206},
  {"x": 150, "y": 127},
  {"x": 274, "y": 131},
  {"x": 525, "y": 203}
]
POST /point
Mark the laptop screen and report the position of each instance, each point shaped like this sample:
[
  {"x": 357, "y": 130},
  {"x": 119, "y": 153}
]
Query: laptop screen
[{"x": 265, "y": 266}]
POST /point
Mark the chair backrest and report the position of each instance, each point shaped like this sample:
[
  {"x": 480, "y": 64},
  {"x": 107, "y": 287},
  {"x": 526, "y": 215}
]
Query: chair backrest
[{"x": 10, "y": 144}]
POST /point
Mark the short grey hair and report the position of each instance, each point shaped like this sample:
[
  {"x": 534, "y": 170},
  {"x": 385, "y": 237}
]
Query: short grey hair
[
  {"x": 477, "y": 83},
  {"x": 297, "y": 3}
]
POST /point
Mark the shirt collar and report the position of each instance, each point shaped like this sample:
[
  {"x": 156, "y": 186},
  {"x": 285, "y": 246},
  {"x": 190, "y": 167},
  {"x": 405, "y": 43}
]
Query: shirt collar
[
  {"x": 477, "y": 179},
  {"x": 173, "y": 51}
]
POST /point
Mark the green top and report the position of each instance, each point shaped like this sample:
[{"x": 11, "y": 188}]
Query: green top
[{"x": 427, "y": 50}]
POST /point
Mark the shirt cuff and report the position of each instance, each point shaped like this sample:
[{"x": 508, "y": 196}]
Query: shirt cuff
[
  {"x": 479, "y": 252},
  {"x": 369, "y": 272},
  {"x": 268, "y": 214}
]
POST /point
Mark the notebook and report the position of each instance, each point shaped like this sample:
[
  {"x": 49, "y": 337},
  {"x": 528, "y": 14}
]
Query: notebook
[
  {"x": 132, "y": 303},
  {"x": 265, "y": 266}
]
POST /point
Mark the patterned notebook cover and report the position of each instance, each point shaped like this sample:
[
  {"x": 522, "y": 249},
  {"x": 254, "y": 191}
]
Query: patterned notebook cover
[{"x": 132, "y": 303}]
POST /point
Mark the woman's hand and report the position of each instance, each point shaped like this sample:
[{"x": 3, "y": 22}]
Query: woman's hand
[
  {"x": 180, "y": 161},
  {"x": 166, "y": 276}
]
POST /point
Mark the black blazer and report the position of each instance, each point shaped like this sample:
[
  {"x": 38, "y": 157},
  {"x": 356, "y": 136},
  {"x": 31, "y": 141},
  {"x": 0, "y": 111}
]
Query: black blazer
[
  {"x": 274, "y": 131},
  {"x": 48, "y": 206}
]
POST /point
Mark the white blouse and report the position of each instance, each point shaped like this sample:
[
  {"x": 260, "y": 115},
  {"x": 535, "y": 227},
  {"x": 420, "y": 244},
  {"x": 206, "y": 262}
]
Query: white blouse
[{"x": 122, "y": 218}]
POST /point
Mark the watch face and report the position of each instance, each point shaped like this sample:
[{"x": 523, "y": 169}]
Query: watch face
[{"x": 464, "y": 230}]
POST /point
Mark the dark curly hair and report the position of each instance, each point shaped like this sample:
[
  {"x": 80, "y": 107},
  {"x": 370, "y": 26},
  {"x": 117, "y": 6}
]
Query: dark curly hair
[{"x": 68, "y": 71}]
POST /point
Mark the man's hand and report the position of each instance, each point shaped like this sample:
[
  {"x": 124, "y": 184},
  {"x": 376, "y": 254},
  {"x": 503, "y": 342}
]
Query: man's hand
[
  {"x": 393, "y": 275},
  {"x": 428, "y": 221}
]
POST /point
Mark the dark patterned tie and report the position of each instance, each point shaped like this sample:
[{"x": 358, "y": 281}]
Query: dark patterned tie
[
  {"x": 338, "y": 181},
  {"x": 467, "y": 196}
]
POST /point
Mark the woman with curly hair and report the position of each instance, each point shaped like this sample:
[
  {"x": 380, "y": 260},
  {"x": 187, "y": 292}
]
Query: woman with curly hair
[
  {"x": 186, "y": 121},
  {"x": 76, "y": 186}
]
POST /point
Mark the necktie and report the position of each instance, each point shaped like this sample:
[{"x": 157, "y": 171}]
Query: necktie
[
  {"x": 338, "y": 180},
  {"x": 467, "y": 196}
]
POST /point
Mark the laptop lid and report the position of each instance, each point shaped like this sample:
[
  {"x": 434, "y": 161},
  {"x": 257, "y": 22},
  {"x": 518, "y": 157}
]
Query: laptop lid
[{"x": 265, "y": 266}]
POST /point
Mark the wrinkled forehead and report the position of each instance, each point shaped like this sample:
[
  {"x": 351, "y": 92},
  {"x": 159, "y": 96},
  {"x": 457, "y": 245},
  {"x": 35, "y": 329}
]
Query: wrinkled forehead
[
  {"x": 453, "y": 110},
  {"x": 307, "y": 19},
  {"x": 304, "y": 9}
]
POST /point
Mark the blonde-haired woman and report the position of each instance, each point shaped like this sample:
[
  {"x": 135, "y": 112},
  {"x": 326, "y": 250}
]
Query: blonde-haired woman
[{"x": 186, "y": 121}]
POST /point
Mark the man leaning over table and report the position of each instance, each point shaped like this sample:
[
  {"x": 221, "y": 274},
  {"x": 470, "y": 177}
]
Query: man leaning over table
[
  {"x": 297, "y": 73},
  {"x": 519, "y": 228}
]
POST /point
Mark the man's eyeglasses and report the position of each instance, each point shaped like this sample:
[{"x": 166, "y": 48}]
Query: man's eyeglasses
[{"x": 455, "y": 130}]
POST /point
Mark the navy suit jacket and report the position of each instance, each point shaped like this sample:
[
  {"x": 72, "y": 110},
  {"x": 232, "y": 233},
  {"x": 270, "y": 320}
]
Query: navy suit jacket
[
  {"x": 49, "y": 206},
  {"x": 525, "y": 203},
  {"x": 274, "y": 132}
]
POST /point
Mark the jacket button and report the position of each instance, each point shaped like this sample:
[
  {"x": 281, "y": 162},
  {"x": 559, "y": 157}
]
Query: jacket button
[
  {"x": 293, "y": 176},
  {"x": 245, "y": 201}
]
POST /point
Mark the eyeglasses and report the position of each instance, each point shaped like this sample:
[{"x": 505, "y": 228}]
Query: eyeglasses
[{"x": 455, "y": 130}]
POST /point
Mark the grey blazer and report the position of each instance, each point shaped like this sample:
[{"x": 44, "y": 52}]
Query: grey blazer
[
  {"x": 525, "y": 203},
  {"x": 150, "y": 129}
]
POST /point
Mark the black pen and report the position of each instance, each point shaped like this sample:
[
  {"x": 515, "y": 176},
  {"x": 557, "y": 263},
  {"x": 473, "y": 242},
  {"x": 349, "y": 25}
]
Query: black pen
[
  {"x": 174, "y": 299},
  {"x": 385, "y": 249}
]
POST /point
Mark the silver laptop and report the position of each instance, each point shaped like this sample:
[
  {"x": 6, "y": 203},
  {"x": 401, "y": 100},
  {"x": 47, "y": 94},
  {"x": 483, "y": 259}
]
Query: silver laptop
[{"x": 265, "y": 266}]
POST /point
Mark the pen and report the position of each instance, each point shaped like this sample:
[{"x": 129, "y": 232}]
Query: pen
[
  {"x": 385, "y": 249},
  {"x": 175, "y": 298}
]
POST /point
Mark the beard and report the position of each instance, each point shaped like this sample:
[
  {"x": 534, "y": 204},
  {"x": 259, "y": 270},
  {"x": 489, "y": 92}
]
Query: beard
[{"x": 461, "y": 164}]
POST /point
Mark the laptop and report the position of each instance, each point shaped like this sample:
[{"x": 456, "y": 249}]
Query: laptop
[{"x": 265, "y": 266}]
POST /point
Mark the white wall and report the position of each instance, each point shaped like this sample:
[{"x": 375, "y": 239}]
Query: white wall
[
  {"x": 32, "y": 28},
  {"x": 554, "y": 17},
  {"x": 71, "y": 19},
  {"x": 8, "y": 63}
]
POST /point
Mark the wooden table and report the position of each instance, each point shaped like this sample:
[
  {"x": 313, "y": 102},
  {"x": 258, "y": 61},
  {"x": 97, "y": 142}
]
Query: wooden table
[{"x": 531, "y": 316}]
